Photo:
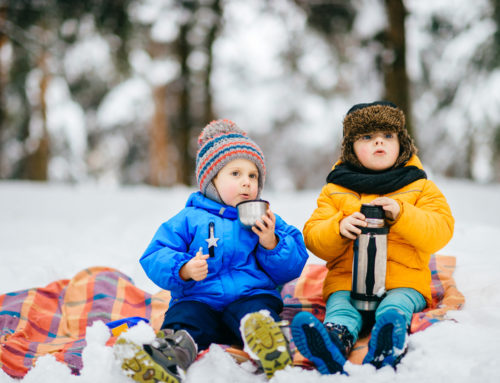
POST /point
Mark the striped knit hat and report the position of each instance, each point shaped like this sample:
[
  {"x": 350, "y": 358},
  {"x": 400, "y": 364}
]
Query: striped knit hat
[{"x": 221, "y": 142}]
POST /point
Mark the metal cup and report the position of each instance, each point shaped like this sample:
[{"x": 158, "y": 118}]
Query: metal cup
[{"x": 251, "y": 211}]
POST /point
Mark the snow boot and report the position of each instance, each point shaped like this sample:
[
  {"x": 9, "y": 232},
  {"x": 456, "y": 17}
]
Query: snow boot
[
  {"x": 265, "y": 342},
  {"x": 327, "y": 346},
  {"x": 341, "y": 337},
  {"x": 158, "y": 362},
  {"x": 388, "y": 343}
]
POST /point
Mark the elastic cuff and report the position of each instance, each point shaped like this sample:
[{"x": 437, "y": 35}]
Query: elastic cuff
[
  {"x": 276, "y": 249},
  {"x": 177, "y": 276}
]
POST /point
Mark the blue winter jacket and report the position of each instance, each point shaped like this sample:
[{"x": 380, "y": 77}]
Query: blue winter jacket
[{"x": 239, "y": 267}]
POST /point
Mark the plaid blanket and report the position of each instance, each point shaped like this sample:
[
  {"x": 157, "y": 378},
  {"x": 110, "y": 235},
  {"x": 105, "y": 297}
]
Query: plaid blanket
[
  {"x": 53, "y": 319},
  {"x": 305, "y": 294}
]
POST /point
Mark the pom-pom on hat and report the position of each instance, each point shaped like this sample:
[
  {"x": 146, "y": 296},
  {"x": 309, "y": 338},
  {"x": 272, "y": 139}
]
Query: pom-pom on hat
[
  {"x": 219, "y": 143},
  {"x": 368, "y": 118}
]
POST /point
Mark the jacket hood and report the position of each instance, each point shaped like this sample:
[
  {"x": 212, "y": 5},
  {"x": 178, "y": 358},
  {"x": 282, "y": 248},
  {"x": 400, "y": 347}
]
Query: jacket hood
[{"x": 198, "y": 200}]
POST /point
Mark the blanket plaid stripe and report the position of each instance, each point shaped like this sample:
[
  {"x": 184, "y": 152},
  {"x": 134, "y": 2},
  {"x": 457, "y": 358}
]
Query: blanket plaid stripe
[{"x": 53, "y": 319}]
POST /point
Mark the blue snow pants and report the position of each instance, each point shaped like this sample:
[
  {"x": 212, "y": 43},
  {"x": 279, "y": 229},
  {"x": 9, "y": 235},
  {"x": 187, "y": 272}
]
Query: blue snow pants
[{"x": 208, "y": 326}]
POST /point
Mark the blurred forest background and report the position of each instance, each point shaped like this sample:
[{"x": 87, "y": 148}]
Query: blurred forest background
[{"x": 117, "y": 91}]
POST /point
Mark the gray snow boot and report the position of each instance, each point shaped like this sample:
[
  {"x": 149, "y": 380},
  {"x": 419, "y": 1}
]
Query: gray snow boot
[{"x": 158, "y": 362}]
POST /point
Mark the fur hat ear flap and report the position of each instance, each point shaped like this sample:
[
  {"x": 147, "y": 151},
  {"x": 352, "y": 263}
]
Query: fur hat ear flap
[
  {"x": 367, "y": 118},
  {"x": 407, "y": 148}
]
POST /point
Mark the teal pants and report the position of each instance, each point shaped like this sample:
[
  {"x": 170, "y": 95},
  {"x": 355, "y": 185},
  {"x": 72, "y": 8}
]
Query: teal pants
[{"x": 339, "y": 309}]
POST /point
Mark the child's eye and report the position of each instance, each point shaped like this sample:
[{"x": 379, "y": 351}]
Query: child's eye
[
  {"x": 235, "y": 173},
  {"x": 389, "y": 135},
  {"x": 366, "y": 137},
  {"x": 254, "y": 176}
]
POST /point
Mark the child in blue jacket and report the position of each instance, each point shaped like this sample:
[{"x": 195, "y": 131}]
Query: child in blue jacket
[{"x": 217, "y": 271}]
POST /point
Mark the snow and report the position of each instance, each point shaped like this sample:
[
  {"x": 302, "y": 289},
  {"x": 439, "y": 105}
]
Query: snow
[
  {"x": 51, "y": 231},
  {"x": 128, "y": 102},
  {"x": 251, "y": 72}
]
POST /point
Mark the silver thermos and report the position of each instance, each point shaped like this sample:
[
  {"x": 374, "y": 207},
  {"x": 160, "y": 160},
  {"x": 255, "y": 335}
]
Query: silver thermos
[{"x": 370, "y": 260}]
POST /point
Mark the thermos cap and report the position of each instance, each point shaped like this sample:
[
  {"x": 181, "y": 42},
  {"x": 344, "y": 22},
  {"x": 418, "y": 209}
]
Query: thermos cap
[{"x": 372, "y": 211}]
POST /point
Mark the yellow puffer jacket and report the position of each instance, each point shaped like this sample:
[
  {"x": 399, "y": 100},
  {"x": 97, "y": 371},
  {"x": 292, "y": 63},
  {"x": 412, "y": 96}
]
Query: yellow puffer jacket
[{"x": 424, "y": 226}]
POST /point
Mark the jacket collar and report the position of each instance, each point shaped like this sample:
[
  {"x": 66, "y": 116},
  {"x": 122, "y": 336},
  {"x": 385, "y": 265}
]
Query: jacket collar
[
  {"x": 383, "y": 182},
  {"x": 198, "y": 200}
]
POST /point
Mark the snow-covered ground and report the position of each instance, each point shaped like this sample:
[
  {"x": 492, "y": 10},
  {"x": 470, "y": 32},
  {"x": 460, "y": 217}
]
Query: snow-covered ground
[{"x": 50, "y": 232}]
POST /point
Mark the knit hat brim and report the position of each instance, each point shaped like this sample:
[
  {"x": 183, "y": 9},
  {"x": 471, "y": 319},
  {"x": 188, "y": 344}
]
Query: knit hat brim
[{"x": 221, "y": 142}]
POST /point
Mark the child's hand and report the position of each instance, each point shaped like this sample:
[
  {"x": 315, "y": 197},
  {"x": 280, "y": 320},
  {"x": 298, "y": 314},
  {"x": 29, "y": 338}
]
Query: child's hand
[
  {"x": 349, "y": 225},
  {"x": 196, "y": 268},
  {"x": 390, "y": 206},
  {"x": 265, "y": 230}
]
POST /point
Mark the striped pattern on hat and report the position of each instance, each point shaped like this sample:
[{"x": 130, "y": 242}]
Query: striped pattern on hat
[{"x": 221, "y": 142}]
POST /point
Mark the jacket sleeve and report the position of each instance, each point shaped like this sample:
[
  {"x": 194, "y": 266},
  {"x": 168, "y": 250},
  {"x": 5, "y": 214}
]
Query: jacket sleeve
[
  {"x": 428, "y": 225},
  {"x": 167, "y": 253},
  {"x": 286, "y": 261},
  {"x": 322, "y": 230}
]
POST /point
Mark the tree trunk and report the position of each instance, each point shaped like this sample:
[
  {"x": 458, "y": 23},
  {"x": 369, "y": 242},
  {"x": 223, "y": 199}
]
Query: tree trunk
[
  {"x": 159, "y": 140},
  {"x": 37, "y": 162},
  {"x": 3, "y": 40},
  {"x": 394, "y": 59},
  {"x": 211, "y": 36},
  {"x": 186, "y": 166}
]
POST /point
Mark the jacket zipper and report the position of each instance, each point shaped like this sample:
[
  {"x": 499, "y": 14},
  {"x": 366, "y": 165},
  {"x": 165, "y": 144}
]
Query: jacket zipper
[{"x": 211, "y": 234}]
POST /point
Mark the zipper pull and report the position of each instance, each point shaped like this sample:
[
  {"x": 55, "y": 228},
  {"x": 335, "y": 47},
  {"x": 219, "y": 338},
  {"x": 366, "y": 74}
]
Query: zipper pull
[{"x": 212, "y": 240}]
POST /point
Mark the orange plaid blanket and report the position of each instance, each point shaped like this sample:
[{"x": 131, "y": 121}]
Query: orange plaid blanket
[
  {"x": 53, "y": 319},
  {"x": 305, "y": 294}
]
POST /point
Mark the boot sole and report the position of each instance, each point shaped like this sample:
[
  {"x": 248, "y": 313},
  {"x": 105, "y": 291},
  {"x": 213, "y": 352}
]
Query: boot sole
[
  {"x": 388, "y": 342},
  {"x": 314, "y": 343},
  {"x": 265, "y": 342},
  {"x": 142, "y": 368}
]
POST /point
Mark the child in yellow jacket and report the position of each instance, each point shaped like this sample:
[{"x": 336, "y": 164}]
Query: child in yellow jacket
[{"x": 379, "y": 166}]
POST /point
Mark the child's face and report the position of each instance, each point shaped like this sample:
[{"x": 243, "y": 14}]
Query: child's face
[
  {"x": 237, "y": 181},
  {"x": 378, "y": 150}
]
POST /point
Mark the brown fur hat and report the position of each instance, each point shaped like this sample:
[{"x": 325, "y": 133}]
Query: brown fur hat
[{"x": 383, "y": 116}]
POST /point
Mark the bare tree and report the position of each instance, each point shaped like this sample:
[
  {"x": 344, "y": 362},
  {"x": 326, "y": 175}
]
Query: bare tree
[
  {"x": 159, "y": 140},
  {"x": 393, "y": 59},
  {"x": 194, "y": 86},
  {"x": 3, "y": 41},
  {"x": 37, "y": 161},
  {"x": 185, "y": 123},
  {"x": 39, "y": 41}
]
